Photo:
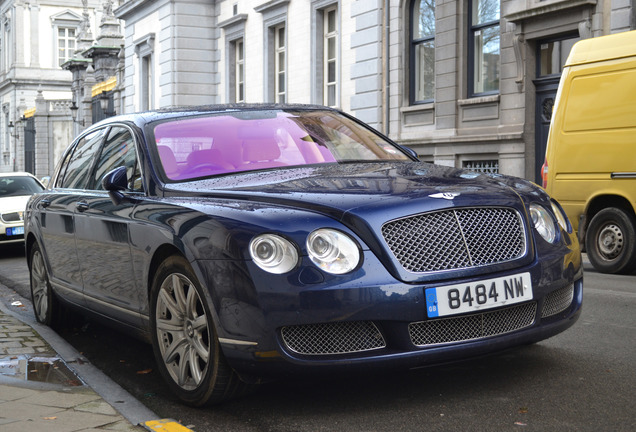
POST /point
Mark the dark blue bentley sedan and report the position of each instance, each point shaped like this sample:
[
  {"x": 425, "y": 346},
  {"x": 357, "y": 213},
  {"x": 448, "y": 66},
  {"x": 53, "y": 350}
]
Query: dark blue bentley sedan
[{"x": 248, "y": 241}]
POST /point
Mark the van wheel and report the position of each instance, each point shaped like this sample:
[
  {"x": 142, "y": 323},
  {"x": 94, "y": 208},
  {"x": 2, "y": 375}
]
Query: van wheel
[{"x": 611, "y": 241}]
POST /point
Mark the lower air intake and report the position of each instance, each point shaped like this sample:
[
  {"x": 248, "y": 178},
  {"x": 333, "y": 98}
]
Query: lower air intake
[
  {"x": 333, "y": 338},
  {"x": 474, "y": 326}
]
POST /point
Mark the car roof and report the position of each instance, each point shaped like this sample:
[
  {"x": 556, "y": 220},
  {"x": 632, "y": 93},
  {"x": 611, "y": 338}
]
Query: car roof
[
  {"x": 176, "y": 111},
  {"x": 17, "y": 174}
]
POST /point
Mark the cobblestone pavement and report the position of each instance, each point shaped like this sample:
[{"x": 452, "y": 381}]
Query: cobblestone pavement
[{"x": 38, "y": 392}]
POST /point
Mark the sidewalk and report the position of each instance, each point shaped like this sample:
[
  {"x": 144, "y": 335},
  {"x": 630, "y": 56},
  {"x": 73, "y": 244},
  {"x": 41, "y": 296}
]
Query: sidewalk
[
  {"x": 38, "y": 392},
  {"x": 46, "y": 385}
]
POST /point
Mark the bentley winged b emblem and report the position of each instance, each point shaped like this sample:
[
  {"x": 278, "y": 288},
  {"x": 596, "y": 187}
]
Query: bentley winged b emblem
[{"x": 445, "y": 195}]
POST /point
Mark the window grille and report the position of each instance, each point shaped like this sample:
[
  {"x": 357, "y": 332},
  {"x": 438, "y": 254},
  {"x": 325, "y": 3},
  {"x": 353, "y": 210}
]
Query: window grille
[{"x": 482, "y": 166}]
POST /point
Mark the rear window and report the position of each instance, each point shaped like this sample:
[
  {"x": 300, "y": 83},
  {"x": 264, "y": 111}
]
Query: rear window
[{"x": 216, "y": 144}]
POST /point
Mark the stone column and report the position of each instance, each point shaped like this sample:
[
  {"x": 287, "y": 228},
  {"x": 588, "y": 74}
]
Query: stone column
[
  {"x": 42, "y": 137},
  {"x": 35, "y": 35}
]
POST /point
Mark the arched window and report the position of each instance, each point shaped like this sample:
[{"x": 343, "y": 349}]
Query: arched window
[{"x": 422, "y": 52}]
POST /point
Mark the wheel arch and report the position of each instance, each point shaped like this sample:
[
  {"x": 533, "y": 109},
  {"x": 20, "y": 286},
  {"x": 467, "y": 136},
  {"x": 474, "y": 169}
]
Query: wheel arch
[
  {"x": 161, "y": 254},
  {"x": 598, "y": 203},
  {"x": 166, "y": 251},
  {"x": 29, "y": 241}
]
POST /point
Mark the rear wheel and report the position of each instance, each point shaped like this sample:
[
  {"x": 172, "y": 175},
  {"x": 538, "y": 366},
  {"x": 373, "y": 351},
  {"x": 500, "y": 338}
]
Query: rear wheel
[
  {"x": 610, "y": 241},
  {"x": 185, "y": 343},
  {"x": 45, "y": 305}
]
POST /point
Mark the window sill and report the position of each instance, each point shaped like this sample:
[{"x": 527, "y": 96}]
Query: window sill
[
  {"x": 418, "y": 107},
  {"x": 479, "y": 100}
]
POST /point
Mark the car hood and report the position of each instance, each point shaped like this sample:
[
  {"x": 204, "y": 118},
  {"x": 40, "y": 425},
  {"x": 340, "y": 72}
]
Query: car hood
[
  {"x": 365, "y": 196},
  {"x": 343, "y": 191},
  {"x": 12, "y": 204}
]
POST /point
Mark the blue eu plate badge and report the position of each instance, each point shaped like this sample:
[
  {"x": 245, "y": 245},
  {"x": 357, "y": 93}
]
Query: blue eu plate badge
[{"x": 431, "y": 303}]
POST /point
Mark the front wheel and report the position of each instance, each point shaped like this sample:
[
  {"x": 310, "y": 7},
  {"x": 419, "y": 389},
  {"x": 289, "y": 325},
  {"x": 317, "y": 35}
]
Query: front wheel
[
  {"x": 610, "y": 241},
  {"x": 185, "y": 343}
]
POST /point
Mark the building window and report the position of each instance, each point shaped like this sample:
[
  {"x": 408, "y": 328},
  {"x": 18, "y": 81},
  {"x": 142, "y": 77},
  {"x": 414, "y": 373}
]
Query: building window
[
  {"x": 422, "y": 55},
  {"x": 146, "y": 83},
  {"x": 238, "y": 61},
  {"x": 65, "y": 44},
  {"x": 330, "y": 57},
  {"x": 279, "y": 63},
  {"x": 144, "y": 48},
  {"x": 484, "y": 47},
  {"x": 553, "y": 54}
]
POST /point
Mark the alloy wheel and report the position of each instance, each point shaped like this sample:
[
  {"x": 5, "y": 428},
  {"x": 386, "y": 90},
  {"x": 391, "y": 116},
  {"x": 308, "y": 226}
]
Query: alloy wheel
[{"x": 183, "y": 331}]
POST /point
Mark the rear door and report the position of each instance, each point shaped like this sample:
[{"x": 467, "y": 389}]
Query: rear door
[{"x": 56, "y": 215}]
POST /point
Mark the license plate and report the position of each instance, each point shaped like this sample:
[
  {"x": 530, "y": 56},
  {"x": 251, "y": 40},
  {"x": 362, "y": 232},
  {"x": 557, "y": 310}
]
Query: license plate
[
  {"x": 477, "y": 296},
  {"x": 15, "y": 231}
]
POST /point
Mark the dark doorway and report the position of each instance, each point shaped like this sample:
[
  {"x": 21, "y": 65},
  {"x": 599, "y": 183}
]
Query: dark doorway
[
  {"x": 29, "y": 145},
  {"x": 551, "y": 56}
]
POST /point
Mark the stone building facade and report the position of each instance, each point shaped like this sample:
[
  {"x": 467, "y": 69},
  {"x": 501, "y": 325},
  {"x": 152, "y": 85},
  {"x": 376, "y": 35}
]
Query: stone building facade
[
  {"x": 465, "y": 83},
  {"x": 36, "y": 38}
]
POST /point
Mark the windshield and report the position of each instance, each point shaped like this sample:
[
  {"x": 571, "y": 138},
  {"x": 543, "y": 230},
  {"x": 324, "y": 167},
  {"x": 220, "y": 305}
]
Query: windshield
[
  {"x": 18, "y": 186},
  {"x": 252, "y": 140}
]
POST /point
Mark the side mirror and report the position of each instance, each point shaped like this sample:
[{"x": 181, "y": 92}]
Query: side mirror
[
  {"x": 114, "y": 182},
  {"x": 409, "y": 151}
]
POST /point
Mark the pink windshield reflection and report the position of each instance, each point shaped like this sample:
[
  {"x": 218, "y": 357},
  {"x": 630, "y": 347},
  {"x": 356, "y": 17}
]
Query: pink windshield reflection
[{"x": 220, "y": 144}]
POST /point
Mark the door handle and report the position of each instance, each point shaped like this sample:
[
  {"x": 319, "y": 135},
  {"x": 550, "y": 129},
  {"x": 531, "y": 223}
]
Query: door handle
[
  {"x": 81, "y": 206},
  {"x": 45, "y": 203}
]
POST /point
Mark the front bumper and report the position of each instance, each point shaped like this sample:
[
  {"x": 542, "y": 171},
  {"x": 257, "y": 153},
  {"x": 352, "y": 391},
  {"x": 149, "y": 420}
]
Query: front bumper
[
  {"x": 373, "y": 320},
  {"x": 8, "y": 235}
]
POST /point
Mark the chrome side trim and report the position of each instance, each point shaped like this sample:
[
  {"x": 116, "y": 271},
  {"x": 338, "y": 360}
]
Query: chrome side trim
[
  {"x": 623, "y": 175},
  {"x": 236, "y": 342}
]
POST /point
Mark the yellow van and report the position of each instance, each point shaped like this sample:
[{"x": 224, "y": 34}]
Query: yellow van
[{"x": 590, "y": 165}]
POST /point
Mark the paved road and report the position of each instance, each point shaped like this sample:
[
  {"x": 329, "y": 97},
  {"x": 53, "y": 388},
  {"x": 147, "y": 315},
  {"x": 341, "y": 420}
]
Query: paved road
[{"x": 580, "y": 380}]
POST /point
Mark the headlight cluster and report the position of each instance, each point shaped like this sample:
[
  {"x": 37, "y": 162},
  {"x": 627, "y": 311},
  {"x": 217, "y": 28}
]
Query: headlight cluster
[
  {"x": 331, "y": 250},
  {"x": 561, "y": 218},
  {"x": 544, "y": 222},
  {"x": 273, "y": 253}
]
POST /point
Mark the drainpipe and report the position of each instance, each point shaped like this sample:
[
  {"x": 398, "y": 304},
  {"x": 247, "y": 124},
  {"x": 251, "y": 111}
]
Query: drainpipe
[{"x": 387, "y": 82}]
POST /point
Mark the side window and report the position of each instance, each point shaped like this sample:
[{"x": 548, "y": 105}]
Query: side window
[
  {"x": 77, "y": 173},
  {"x": 119, "y": 150}
]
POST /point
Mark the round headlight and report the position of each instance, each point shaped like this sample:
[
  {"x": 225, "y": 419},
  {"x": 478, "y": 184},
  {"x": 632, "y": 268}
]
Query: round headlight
[
  {"x": 273, "y": 253},
  {"x": 560, "y": 216},
  {"x": 333, "y": 251},
  {"x": 543, "y": 222}
]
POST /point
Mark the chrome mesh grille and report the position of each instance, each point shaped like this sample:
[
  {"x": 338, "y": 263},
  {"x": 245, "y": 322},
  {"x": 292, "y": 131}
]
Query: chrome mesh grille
[
  {"x": 558, "y": 301},
  {"x": 333, "y": 338},
  {"x": 455, "y": 239},
  {"x": 474, "y": 326}
]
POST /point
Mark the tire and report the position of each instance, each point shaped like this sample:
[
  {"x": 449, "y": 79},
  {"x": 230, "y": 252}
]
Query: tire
[
  {"x": 46, "y": 307},
  {"x": 610, "y": 241},
  {"x": 184, "y": 339}
]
